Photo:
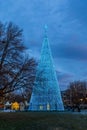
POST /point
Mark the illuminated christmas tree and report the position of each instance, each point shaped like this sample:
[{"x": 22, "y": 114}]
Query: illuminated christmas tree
[{"x": 46, "y": 92}]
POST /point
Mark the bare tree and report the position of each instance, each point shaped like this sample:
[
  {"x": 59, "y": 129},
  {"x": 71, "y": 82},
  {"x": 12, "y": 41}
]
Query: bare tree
[
  {"x": 16, "y": 71},
  {"x": 76, "y": 93}
]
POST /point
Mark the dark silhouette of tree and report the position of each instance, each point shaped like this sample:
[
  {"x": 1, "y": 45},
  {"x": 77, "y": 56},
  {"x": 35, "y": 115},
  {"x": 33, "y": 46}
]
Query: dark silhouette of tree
[
  {"x": 16, "y": 70},
  {"x": 76, "y": 93}
]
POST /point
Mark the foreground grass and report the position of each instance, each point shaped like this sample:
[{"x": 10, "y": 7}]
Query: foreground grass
[{"x": 42, "y": 121}]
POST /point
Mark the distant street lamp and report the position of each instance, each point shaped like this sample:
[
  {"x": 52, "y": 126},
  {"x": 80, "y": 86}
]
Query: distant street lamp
[{"x": 86, "y": 98}]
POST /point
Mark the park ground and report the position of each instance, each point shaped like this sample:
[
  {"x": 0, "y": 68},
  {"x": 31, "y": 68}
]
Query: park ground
[{"x": 43, "y": 121}]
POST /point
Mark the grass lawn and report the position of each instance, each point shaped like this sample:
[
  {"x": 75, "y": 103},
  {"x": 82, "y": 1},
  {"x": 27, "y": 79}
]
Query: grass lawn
[{"x": 42, "y": 121}]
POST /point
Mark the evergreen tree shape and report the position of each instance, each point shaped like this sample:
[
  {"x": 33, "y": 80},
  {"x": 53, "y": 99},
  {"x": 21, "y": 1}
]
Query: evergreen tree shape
[{"x": 46, "y": 93}]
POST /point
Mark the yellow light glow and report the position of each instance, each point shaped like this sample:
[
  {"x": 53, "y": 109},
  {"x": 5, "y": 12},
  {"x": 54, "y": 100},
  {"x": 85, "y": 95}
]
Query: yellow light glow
[
  {"x": 81, "y": 99},
  {"x": 48, "y": 106},
  {"x": 15, "y": 106}
]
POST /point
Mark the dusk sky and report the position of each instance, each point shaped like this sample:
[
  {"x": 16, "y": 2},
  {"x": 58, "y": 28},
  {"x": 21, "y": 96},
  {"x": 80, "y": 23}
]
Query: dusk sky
[{"x": 67, "y": 32}]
